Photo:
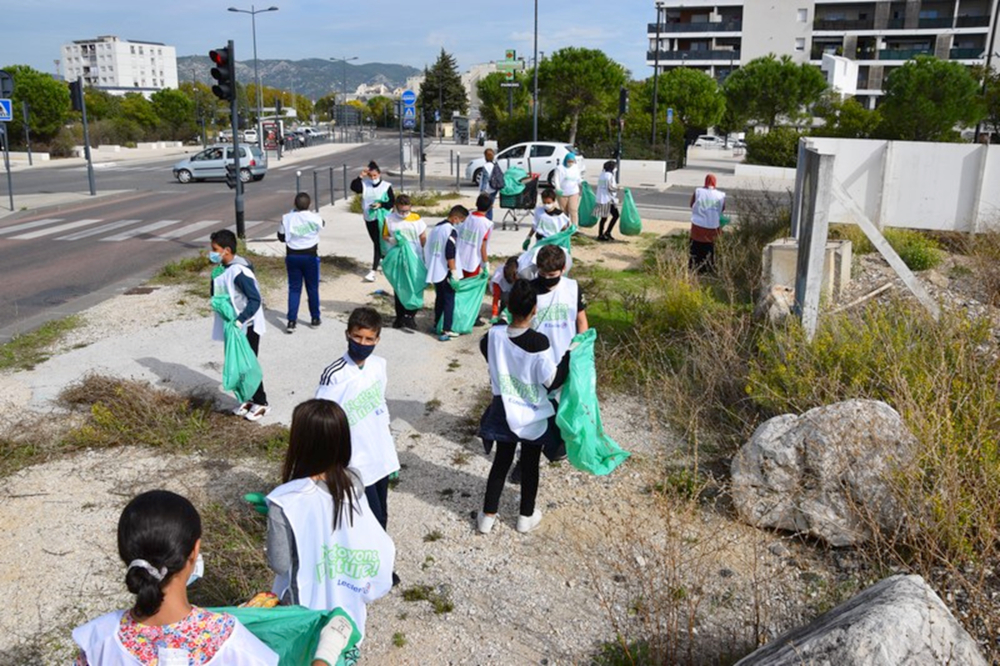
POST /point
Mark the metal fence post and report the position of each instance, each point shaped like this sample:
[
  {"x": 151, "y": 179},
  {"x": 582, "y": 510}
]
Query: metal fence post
[
  {"x": 451, "y": 162},
  {"x": 346, "y": 195},
  {"x": 333, "y": 196},
  {"x": 458, "y": 163},
  {"x": 316, "y": 190},
  {"x": 298, "y": 182}
]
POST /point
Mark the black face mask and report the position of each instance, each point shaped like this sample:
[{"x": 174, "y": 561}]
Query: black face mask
[
  {"x": 358, "y": 351},
  {"x": 548, "y": 282}
]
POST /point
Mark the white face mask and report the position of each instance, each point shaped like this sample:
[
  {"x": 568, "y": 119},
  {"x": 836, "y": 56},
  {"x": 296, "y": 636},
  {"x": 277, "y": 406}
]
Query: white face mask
[
  {"x": 198, "y": 571},
  {"x": 550, "y": 206}
]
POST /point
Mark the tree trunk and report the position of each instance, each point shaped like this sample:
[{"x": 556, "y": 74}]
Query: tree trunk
[{"x": 573, "y": 124}]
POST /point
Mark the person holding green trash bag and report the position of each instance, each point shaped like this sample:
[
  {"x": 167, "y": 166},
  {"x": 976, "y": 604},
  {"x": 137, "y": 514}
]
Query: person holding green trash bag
[
  {"x": 707, "y": 206},
  {"x": 440, "y": 256},
  {"x": 233, "y": 279},
  {"x": 404, "y": 235},
  {"x": 324, "y": 542},
  {"x": 521, "y": 376},
  {"x": 159, "y": 539}
]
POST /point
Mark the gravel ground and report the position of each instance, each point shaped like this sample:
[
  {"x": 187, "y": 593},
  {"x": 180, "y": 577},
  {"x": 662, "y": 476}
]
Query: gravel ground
[{"x": 607, "y": 549}]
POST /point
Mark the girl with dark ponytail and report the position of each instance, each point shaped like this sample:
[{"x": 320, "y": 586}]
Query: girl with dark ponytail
[
  {"x": 159, "y": 541},
  {"x": 324, "y": 543}
]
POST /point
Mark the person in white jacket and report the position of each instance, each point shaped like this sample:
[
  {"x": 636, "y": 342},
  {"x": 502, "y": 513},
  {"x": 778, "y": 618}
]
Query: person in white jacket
[
  {"x": 159, "y": 540},
  {"x": 299, "y": 232},
  {"x": 568, "y": 180},
  {"x": 607, "y": 201}
]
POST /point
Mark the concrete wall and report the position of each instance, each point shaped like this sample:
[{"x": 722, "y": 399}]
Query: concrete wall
[
  {"x": 918, "y": 185},
  {"x": 771, "y": 26},
  {"x": 756, "y": 171}
]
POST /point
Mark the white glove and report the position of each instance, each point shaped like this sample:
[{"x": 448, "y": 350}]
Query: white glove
[
  {"x": 333, "y": 638},
  {"x": 239, "y": 324},
  {"x": 456, "y": 275},
  {"x": 486, "y": 267}
]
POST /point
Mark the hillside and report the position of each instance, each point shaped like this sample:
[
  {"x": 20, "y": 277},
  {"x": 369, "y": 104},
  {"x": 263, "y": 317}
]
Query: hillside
[{"x": 313, "y": 77}]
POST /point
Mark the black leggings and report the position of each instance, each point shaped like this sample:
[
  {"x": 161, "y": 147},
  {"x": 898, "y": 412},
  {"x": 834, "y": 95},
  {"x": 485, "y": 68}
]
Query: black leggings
[
  {"x": 702, "y": 257},
  {"x": 253, "y": 337},
  {"x": 373, "y": 232},
  {"x": 614, "y": 220},
  {"x": 530, "y": 455}
]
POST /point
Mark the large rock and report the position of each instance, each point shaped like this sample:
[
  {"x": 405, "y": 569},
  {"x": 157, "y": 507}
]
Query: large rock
[
  {"x": 825, "y": 472},
  {"x": 897, "y": 621}
]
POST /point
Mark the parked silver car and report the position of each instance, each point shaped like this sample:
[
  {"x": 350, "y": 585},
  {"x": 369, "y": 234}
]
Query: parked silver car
[{"x": 211, "y": 163}]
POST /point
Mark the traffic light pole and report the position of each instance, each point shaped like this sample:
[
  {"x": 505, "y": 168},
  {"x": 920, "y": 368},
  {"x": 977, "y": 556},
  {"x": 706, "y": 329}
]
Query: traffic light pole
[
  {"x": 86, "y": 138},
  {"x": 240, "y": 224}
]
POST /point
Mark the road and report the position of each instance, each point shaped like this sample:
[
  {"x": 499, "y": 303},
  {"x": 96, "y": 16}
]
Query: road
[{"x": 58, "y": 262}]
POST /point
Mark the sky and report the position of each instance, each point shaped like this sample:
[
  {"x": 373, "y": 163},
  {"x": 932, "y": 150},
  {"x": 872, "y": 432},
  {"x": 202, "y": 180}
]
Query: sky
[{"x": 391, "y": 31}]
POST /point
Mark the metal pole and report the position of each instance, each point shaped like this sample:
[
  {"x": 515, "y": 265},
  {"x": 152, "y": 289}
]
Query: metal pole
[
  {"x": 27, "y": 130},
  {"x": 656, "y": 74},
  {"x": 989, "y": 60},
  {"x": 666, "y": 164},
  {"x": 86, "y": 142},
  {"x": 420, "y": 158},
  {"x": 256, "y": 77},
  {"x": 316, "y": 190},
  {"x": 534, "y": 126},
  {"x": 333, "y": 196},
  {"x": 298, "y": 182},
  {"x": 346, "y": 195},
  {"x": 6, "y": 163},
  {"x": 401, "y": 189},
  {"x": 458, "y": 163},
  {"x": 451, "y": 162},
  {"x": 235, "y": 119}
]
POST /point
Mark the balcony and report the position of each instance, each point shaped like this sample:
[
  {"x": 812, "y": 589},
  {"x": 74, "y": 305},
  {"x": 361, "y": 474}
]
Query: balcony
[
  {"x": 942, "y": 23},
  {"x": 935, "y": 23},
  {"x": 843, "y": 25},
  {"x": 973, "y": 22},
  {"x": 727, "y": 55},
  {"x": 903, "y": 54},
  {"x": 966, "y": 54},
  {"x": 721, "y": 26}
]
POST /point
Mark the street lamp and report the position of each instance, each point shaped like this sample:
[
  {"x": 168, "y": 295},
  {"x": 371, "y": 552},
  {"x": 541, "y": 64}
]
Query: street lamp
[
  {"x": 344, "y": 89},
  {"x": 253, "y": 11},
  {"x": 534, "y": 95}
]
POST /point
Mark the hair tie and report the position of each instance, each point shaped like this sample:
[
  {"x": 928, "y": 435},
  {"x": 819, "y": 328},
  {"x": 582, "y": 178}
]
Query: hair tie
[{"x": 158, "y": 574}]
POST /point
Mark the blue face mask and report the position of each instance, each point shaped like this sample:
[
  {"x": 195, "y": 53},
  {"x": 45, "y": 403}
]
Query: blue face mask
[
  {"x": 359, "y": 352},
  {"x": 198, "y": 571},
  {"x": 215, "y": 257}
]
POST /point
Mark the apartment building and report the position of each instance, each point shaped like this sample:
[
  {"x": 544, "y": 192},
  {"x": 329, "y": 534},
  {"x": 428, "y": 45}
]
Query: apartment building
[
  {"x": 120, "y": 66},
  {"x": 717, "y": 36}
]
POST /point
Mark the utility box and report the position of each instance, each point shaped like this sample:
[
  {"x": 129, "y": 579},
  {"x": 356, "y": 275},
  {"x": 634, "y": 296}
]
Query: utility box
[{"x": 781, "y": 258}]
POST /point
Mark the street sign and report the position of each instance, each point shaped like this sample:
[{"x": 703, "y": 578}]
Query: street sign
[
  {"x": 437, "y": 116},
  {"x": 510, "y": 84},
  {"x": 6, "y": 114},
  {"x": 6, "y": 84},
  {"x": 409, "y": 123},
  {"x": 670, "y": 116},
  {"x": 409, "y": 98},
  {"x": 409, "y": 112}
]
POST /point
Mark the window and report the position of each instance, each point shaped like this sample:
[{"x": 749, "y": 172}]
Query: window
[
  {"x": 542, "y": 151},
  {"x": 132, "y": 50},
  {"x": 803, "y": 16},
  {"x": 800, "y": 44},
  {"x": 514, "y": 153}
]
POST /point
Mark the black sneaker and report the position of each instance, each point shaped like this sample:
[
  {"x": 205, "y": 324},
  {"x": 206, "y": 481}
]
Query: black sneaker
[
  {"x": 515, "y": 474},
  {"x": 410, "y": 323},
  {"x": 479, "y": 322},
  {"x": 315, "y": 323},
  {"x": 395, "y": 579},
  {"x": 290, "y": 328},
  {"x": 397, "y": 322}
]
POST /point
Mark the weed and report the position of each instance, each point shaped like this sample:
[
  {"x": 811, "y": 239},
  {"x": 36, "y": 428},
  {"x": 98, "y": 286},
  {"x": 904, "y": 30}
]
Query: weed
[
  {"x": 985, "y": 250},
  {"x": 239, "y": 567},
  {"x": 460, "y": 458},
  {"x": 439, "y": 599},
  {"x": 432, "y": 405},
  {"x": 184, "y": 271},
  {"x": 431, "y": 537},
  {"x": 918, "y": 251},
  {"x": 399, "y": 639},
  {"x": 852, "y": 232},
  {"x": 427, "y": 563},
  {"x": 447, "y": 492},
  {"x": 27, "y": 350}
]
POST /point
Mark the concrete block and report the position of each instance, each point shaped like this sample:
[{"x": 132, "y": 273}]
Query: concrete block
[
  {"x": 111, "y": 148},
  {"x": 19, "y": 156},
  {"x": 754, "y": 171},
  {"x": 781, "y": 258}
]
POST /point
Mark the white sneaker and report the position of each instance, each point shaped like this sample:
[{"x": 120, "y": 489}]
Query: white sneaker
[
  {"x": 242, "y": 409},
  {"x": 370, "y": 277},
  {"x": 451, "y": 334},
  {"x": 256, "y": 412},
  {"x": 527, "y": 523},
  {"x": 484, "y": 523}
]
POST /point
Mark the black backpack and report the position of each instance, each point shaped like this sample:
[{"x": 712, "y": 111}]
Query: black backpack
[{"x": 496, "y": 178}]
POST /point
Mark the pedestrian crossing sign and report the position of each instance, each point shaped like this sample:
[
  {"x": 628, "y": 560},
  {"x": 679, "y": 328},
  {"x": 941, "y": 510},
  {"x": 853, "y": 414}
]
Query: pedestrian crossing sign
[
  {"x": 6, "y": 115},
  {"x": 409, "y": 112}
]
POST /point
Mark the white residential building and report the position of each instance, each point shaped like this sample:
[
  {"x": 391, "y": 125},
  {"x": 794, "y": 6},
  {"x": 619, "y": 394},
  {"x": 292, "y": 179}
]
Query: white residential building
[
  {"x": 120, "y": 66},
  {"x": 717, "y": 36}
]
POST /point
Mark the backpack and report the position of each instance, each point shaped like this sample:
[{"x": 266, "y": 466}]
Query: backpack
[{"x": 497, "y": 182}]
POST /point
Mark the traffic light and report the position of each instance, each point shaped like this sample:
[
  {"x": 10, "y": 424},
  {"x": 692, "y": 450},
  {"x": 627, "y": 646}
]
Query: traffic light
[
  {"x": 623, "y": 101},
  {"x": 277, "y": 108},
  {"x": 224, "y": 73},
  {"x": 76, "y": 95},
  {"x": 231, "y": 175}
]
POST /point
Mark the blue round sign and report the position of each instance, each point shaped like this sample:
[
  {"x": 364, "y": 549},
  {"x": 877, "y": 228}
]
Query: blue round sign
[{"x": 409, "y": 98}]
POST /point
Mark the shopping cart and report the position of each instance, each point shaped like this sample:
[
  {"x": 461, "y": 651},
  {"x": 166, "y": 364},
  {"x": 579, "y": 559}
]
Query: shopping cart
[{"x": 524, "y": 202}]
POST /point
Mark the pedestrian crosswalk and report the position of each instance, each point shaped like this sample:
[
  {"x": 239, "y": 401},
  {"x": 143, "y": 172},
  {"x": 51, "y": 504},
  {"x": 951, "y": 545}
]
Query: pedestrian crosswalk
[{"x": 112, "y": 231}]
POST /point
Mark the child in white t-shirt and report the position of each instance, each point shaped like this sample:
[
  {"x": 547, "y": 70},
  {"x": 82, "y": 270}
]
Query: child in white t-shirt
[{"x": 549, "y": 220}]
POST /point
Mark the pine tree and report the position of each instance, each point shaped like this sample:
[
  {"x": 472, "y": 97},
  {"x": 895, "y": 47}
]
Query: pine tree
[{"x": 442, "y": 89}]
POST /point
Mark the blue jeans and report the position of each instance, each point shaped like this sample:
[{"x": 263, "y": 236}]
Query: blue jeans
[
  {"x": 302, "y": 268},
  {"x": 493, "y": 198},
  {"x": 378, "y": 500},
  {"x": 444, "y": 304}
]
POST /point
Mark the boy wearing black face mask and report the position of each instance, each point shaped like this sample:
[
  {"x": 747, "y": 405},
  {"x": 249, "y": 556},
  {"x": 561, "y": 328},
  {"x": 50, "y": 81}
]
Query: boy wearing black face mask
[{"x": 356, "y": 381}]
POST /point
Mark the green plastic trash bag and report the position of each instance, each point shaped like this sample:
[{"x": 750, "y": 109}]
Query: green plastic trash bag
[
  {"x": 241, "y": 371},
  {"x": 512, "y": 178},
  {"x": 526, "y": 267},
  {"x": 406, "y": 273},
  {"x": 588, "y": 448},
  {"x": 587, "y": 202},
  {"x": 631, "y": 223},
  {"x": 291, "y": 631},
  {"x": 724, "y": 220},
  {"x": 469, "y": 294}
]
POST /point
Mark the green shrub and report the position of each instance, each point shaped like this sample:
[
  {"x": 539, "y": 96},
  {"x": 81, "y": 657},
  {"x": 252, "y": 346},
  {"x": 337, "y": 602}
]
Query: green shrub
[
  {"x": 777, "y": 148},
  {"x": 918, "y": 251},
  {"x": 852, "y": 232}
]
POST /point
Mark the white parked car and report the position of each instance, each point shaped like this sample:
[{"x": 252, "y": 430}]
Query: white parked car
[
  {"x": 540, "y": 157},
  {"x": 250, "y": 136},
  {"x": 709, "y": 141}
]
